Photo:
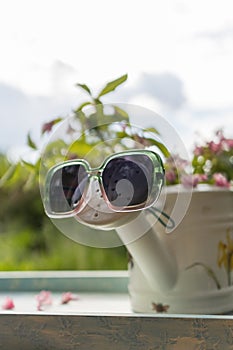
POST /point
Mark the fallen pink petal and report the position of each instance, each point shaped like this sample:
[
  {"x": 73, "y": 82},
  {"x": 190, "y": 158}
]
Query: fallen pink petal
[
  {"x": 8, "y": 304},
  {"x": 43, "y": 298},
  {"x": 67, "y": 297}
]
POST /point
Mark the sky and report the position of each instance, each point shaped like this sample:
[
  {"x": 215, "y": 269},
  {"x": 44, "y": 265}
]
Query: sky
[{"x": 178, "y": 56}]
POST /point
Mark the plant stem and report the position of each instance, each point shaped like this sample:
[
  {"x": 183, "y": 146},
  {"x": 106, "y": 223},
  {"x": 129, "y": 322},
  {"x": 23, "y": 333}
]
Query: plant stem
[
  {"x": 209, "y": 271},
  {"x": 229, "y": 256}
]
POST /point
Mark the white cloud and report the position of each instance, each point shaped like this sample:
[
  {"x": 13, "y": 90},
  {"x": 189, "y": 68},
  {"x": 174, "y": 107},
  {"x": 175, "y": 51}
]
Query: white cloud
[
  {"x": 166, "y": 87},
  {"x": 178, "y": 55},
  {"x": 21, "y": 113}
]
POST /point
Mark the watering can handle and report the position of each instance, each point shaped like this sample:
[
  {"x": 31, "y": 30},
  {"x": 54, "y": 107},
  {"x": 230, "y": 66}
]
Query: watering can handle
[{"x": 167, "y": 221}]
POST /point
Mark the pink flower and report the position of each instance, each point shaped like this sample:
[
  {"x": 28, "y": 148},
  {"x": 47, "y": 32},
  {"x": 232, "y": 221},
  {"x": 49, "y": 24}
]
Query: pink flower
[
  {"x": 201, "y": 177},
  {"x": 198, "y": 151},
  {"x": 229, "y": 143},
  {"x": 8, "y": 304},
  {"x": 47, "y": 127},
  {"x": 226, "y": 143},
  {"x": 170, "y": 176},
  {"x": 67, "y": 297},
  {"x": 221, "y": 180},
  {"x": 215, "y": 147},
  {"x": 189, "y": 180},
  {"x": 43, "y": 298}
]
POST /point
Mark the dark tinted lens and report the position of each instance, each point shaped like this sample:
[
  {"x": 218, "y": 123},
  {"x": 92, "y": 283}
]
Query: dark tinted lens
[
  {"x": 66, "y": 188},
  {"x": 127, "y": 180}
]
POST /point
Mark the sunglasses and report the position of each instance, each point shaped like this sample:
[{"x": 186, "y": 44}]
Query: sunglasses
[{"x": 128, "y": 181}]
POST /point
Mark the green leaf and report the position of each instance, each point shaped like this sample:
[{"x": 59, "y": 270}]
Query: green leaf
[
  {"x": 160, "y": 146},
  {"x": 153, "y": 130},
  {"x": 80, "y": 115},
  {"x": 57, "y": 120},
  {"x": 31, "y": 143},
  {"x": 84, "y": 104},
  {"x": 112, "y": 85},
  {"x": 97, "y": 102},
  {"x": 4, "y": 164},
  {"x": 28, "y": 166},
  {"x": 85, "y": 87},
  {"x": 30, "y": 183},
  {"x": 122, "y": 135},
  {"x": 8, "y": 174},
  {"x": 79, "y": 148},
  {"x": 121, "y": 114}
]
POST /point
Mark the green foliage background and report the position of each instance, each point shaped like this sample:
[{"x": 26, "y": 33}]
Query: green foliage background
[{"x": 29, "y": 240}]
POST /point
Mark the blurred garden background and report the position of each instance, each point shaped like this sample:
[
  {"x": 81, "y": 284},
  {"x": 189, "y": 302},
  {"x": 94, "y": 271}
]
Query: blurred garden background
[{"x": 30, "y": 241}]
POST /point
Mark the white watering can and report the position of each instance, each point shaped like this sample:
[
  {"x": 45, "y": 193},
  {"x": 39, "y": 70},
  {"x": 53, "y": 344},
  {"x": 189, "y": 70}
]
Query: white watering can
[
  {"x": 177, "y": 271},
  {"x": 186, "y": 269}
]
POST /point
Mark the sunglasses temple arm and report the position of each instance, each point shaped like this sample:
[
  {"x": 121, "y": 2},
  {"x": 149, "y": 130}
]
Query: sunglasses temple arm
[{"x": 150, "y": 253}]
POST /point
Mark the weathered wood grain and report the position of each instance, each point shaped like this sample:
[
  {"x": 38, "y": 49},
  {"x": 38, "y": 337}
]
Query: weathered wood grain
[{"x": 68, "y": 332}]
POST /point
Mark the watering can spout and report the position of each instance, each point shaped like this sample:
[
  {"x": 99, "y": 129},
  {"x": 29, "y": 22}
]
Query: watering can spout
[{"x": 150, "y": 252}]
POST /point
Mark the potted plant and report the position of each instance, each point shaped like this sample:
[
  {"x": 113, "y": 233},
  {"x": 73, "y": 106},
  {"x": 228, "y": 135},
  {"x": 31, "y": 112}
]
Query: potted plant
[{"x": 212, "y": 164}]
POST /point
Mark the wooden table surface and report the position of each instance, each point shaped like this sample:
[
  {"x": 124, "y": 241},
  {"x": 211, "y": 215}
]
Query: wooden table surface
[{"x": 101, "y": 318}]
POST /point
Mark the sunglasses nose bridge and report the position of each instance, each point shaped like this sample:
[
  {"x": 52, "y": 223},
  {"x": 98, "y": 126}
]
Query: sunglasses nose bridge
[
  {"x": 94, "y": 174},
  {"x": 95, "y": 195}
]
